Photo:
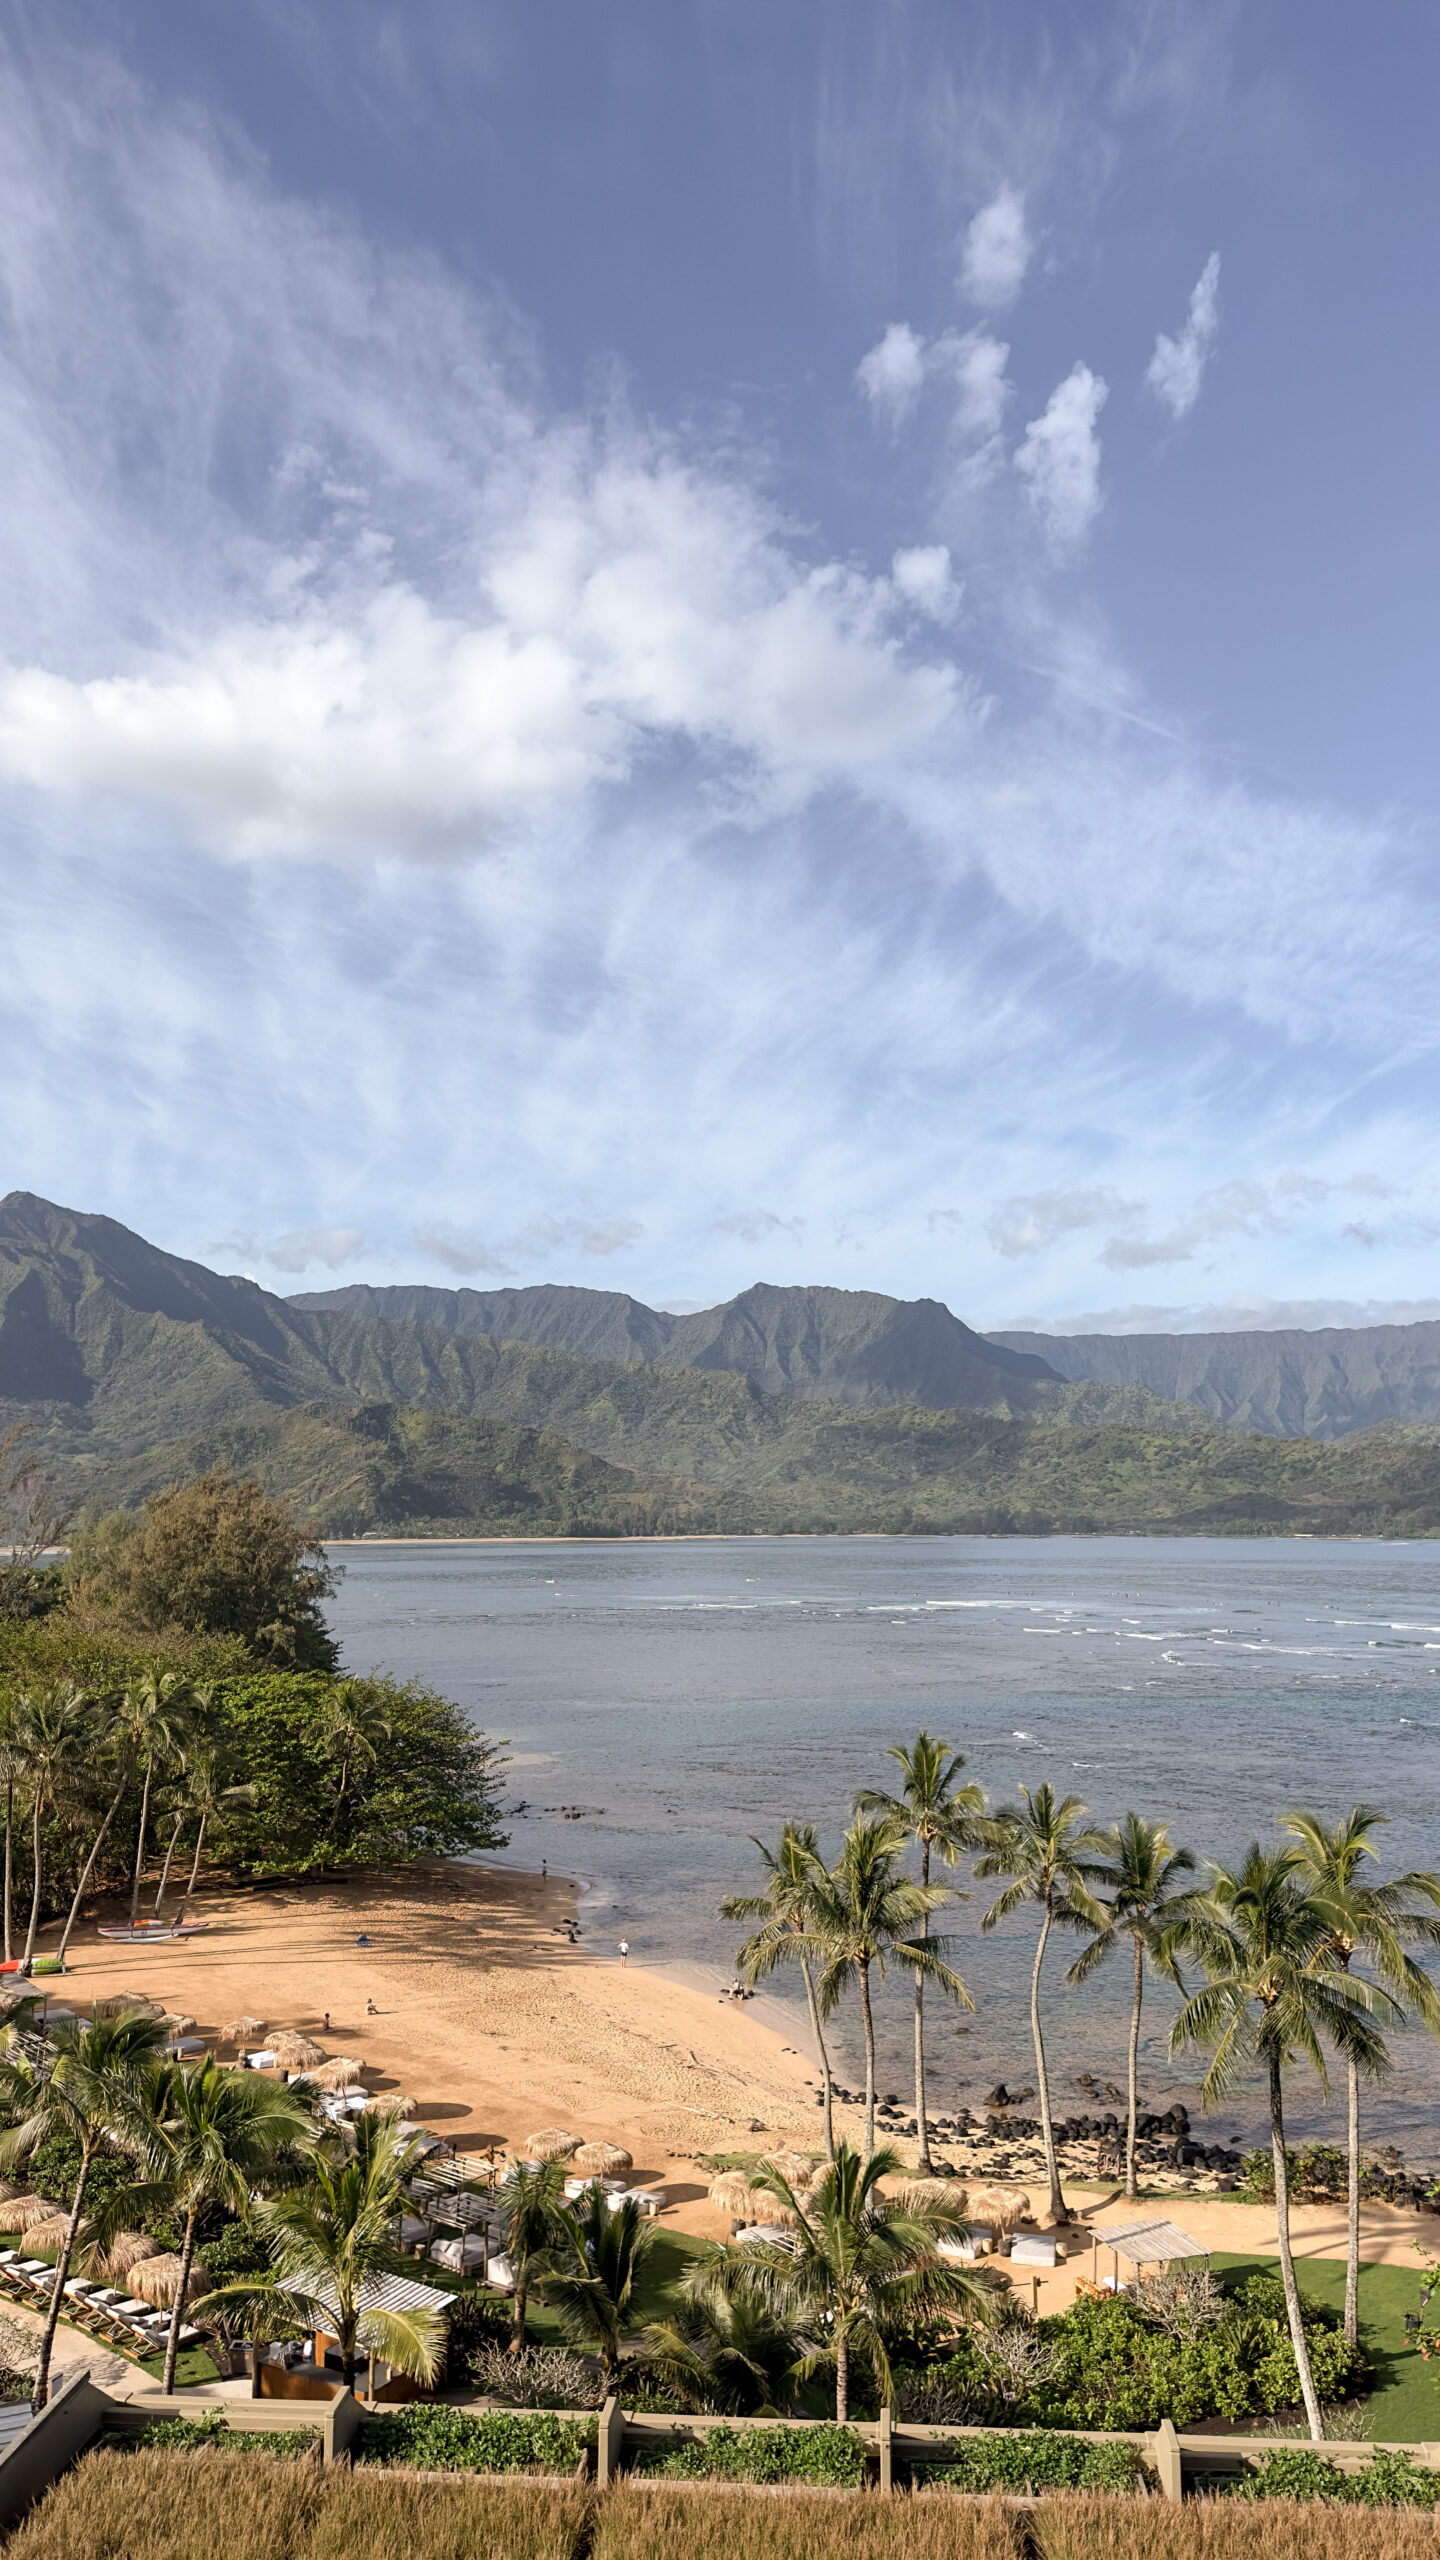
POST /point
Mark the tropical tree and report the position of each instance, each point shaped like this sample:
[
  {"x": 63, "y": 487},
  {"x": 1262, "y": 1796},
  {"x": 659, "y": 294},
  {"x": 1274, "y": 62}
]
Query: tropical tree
[
  {"x": 331, "y": 2241},
  {"x": 1138, "y": 1873},
  {"x": 594, "y": 2271},
  {"x": 938, "y": 1815},
  {"x": 213, "y": 2138},
  {"x": 727, "y": 2344},
  {"x": 531, "y": 2202},
  {"x": 1043, "y": 1844},
  {"x": 12, "y": 1768},
  {"x": 112, "y": 1739},
  {"x": 52, "y": 1732},
  {"x": 862, "y": 1915},
  {"x": 154, "y": 1714},
  {"x": 355, "y": 1722},
  {"x": 861, "y": 2262},
  {"x": 1264, "y": 1937},
  {"x": 786, "y": 1911},
  {"x": 257, "y": 2311},
  {"x": 91, "y": 2089},
  {"x": 1375, "y": 1922},
  {"x": 210, "y": 1789}
]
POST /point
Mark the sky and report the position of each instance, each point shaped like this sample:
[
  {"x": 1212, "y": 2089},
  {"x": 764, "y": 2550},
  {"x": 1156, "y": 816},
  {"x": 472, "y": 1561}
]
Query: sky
[{"x": 720, "y": 640}]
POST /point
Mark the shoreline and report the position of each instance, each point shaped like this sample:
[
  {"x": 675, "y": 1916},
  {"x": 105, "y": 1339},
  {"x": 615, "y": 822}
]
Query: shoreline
[{"x": 880, "y": 1537}]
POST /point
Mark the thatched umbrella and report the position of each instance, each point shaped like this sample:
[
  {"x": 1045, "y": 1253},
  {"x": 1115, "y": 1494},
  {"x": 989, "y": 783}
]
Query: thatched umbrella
[
  {"x": 50, "y": 2234},
  {"x": 394, "y": 2102},
  {"x": 795, "y": 2167},
  {"x": 295, "y": 2052},
  {"x": 126, "y": 2004},
  {"x": 26, "y": 2211},
  {"x": 7, "y": 2191},
  {"x": 1004, "y": 2208},
  {"x": 734, "y": 2194},
  {"x": 343, "y": 2072},
  {"x": 918, "y": 2193},
  {"x": 127, "y": 2251},
  {"x": 178, "y": 2023},
  {"x": 242, "y": 2031},
  {"x": 157, "y": 2280},
  {"x": 551, "y": 2144},
  {"x": 601, "y": 2160}
]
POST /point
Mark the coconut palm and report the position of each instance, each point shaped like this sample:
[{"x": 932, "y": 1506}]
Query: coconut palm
[
  {"x": 728, "y": 2344},
  {"x": 90, "y": 2089},
  {"x": 532, "y": 2203},
  {"x": 53, "y": 1732},
  {"x": 862, "y": 1915},
  {"x": 593, "y": 2272},
  {"x": 12, "y": 1769},
  {"x": 1138, "y": 1873},
  {"x": 861, "y": 2262},
  {"x": 154, "y": 1716},
  {"x": 1275, "y": 1993},
  {"x": 354, "y": 1724},
  {"x": 213, "y": 2138},
  {"x": 939, "y": 1815},
  {"x": 786, "y": 1911},
  {"x": 331, "y": 2243},
  {"x": 257, "y": 2311},
  {"x": 210, "y": 1788},
  {"x": 1375, "y": 1922},
  {"x": 1045, "y": 1846},
  {"x": 112, "y": 1741}
]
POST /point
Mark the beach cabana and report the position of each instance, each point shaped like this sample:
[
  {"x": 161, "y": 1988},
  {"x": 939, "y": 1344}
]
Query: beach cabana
[
  {"x": 385, "y": 2293},
  {"x": 1142, "y": 2245}
]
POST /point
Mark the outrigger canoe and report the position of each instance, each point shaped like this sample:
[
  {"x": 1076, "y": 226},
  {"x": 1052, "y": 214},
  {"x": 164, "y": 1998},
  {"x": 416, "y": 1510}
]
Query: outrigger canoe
[{"x": 154, "y": 1932}]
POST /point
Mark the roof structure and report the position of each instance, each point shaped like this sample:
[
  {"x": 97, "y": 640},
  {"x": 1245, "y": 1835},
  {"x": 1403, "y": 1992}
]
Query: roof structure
[
  {"x": 1146, "y": 2243},
  {"x": 386, "y": 2293}
]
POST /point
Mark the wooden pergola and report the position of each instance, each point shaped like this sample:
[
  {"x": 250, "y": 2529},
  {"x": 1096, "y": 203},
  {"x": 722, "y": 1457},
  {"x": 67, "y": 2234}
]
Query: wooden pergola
[{"x": 1142, "y": 2245}]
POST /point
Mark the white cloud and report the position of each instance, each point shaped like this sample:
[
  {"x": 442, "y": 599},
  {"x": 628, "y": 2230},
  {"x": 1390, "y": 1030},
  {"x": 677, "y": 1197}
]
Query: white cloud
[
  {"x": 892, "y": 376},
  {"x": 1177, "y": 368},
  {"x": 1059, "y": 460},
  {"x": 996, "y": 252},
  {"x": 1030, "y": 1225},
  {"x": 539, "y": 1241},
  {"x": 923, "y": 577},
  {"x": 752, "y": 1226},
  {"x": 330, "y": 1245},
  {"x": 976, "y": 363}
]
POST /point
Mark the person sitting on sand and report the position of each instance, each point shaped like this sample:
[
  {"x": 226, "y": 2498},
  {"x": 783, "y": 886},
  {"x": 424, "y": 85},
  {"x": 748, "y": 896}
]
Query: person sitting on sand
[{"x": 370, "y": 2009}]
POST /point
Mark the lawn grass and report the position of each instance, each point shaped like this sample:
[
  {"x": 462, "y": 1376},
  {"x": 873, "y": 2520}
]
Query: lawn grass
[
  {"x": 1404, "y": 2407},
  {"x": 194, "y": 2370}
]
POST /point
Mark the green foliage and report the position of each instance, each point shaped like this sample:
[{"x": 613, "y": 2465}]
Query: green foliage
[
  {"x": 430, "y": 2437},
  {"x": 215, "y": 1557},
  {"x": 430, "y": 1790},
  {"x": 825, "y": 2456},
  {"x": 1386, "y": 2480},
  {"x": 1318, "y": 2171},
  {"x": 233, "y": 2252},
  {"x": 193, "y": 2435},
  {"x": 1114, "y": 2368},
  {"x": 30, "y": 1591},
  {"x": 1034, "y": 2458}
]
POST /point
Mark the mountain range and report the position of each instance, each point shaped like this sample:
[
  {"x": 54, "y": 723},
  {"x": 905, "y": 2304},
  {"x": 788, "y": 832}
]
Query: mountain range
[
  {"x": 1295, "y": 1385},
  {"x": 553, "y": 1409}
]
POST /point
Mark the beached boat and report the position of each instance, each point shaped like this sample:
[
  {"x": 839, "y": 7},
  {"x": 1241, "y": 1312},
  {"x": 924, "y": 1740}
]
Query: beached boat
[{"x": 147, "y": 1933}]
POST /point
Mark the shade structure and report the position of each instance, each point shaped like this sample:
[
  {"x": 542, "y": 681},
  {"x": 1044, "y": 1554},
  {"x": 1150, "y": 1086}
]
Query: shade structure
[
  {"x": 50, "y": 2234},
  {"x": 1004, "y": 2208},
  {"x": 178, "y": 2023},
  {"x": 295, "y": 2052},
  {"x": 7, "y": 2191},
  {"x": 342, "y": 2072},
  {"x": 157, "y": 2280},
  {"x": 599, "y": 2159},
  {"x": 393, "y": 2102},
  {"x": 1149, "y": 2244},
  {"x": 795, "y": 2167},
  {"x": 127, "y": 2251},
  {"x": 551, "y": 2143},
  {"x": 734, "y": 2194},
  {"x": 919, "y": 2193},
  {"x": 26, "y": 2211},
  {"x": 124, "y": 2004},
  {"x": 242, "y": 2031}
]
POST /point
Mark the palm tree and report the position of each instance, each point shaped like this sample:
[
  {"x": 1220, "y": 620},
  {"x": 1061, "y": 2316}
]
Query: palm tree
[
  {"x": 1044, "y": 1846},
  {"x": 354, "y": 1725},
  {"x": 112, "y": 1740},
  {"x": 209, "y": 1790},
  {"x": 12, "y": 1767},
  {"x": 1138, "y": 1872},
  {"x": 861, "y": 1916},
  {"x": 727, "y": 2343},
  {"x": 938, "y": 1815},
  {"x": 260, "y": 2312},
  {"x": 786, "y": 1911},
  {"x": 214, "y": 2138},
  {"x": 594, "y": 2273},
  {"x": 531, "y": 2204},
  {"x": 91, "y": 2090},
  {"x": 860, "y": 2263},
  {"x": 1264, "y": 1936},
  {"x": 52, "y": 1732},
  {"x": 1375, "y": 1922},
  {"x": 154, "y": 1715},
  {"x": 330, "y": 2243}
]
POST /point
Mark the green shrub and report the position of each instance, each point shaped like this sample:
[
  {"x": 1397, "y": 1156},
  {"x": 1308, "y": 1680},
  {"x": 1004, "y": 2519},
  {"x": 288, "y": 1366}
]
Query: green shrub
[
  {"x": 1386, "y": 2480},
  {"x": 191, "y": 2435},
  {"x": 431, "y": 2437},
  {"x": 823, "y": 2455},
  {"x": 1038, "y": 2458},
  {"x": 1115, "y": 2368}
]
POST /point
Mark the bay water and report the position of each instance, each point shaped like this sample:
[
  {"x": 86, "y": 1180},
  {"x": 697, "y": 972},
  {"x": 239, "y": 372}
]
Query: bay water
[{"x": 661, "y": 1701}]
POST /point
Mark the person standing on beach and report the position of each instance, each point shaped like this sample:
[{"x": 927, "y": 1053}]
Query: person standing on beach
[{"x": 624, "y": 1949}]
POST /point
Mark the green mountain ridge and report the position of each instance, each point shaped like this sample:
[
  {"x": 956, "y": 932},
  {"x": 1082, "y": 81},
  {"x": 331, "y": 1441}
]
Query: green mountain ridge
[{"x": 1294, "y": 1385}]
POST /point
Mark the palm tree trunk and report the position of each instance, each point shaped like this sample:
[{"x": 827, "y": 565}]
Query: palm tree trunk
[
  {"x": 9, "y": 1833},
  {"x": 517, "y": 2326},
  {"x": 1057, "y": 2201},
  {"x": 842, "y": 2376},
  {"x": 1352, "y": 2245},
  {"x": 257, "y": 2354},
  {"x": 824, "y": 2056},
  {"x": 85, "y": 1872},
  {"x": 187, "y": 1897},
  {"x": 349, "y": 2360},
  {"x": 172, "y": 2343},
  {"x": 140, "y": 1845},
  {"x": 40, "y": 2391},
  {"x": 169, "y": 1854},
  {"x": 1287, "y": 2263},
  {"x": 35, "y": 1895},
  {"x": 869, "y": 2060},
  {"x": 923, "y": 2156},
  {"x": 1134, "y": 2065}
]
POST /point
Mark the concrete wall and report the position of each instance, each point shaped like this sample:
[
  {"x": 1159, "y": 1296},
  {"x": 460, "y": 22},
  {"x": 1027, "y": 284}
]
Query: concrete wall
[{"x": 70, "y": 2421}]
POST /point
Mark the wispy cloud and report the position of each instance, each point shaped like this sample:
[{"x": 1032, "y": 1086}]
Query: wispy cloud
[
  {"x": 1059, "y": 460},
  {"x": 1177, "y": 368},
  {"x": 1031, "y": 1225},
  {"x": 996, "y": 251},
  {"x": 300, "y": 1248},
  {"x": 466, "y": 1253},
  {"x": 752, "y": 1226}
]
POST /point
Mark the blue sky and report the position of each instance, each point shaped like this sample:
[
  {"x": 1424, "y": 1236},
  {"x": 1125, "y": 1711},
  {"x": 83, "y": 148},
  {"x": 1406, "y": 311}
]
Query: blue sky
[{"x": 707, "y": 640}]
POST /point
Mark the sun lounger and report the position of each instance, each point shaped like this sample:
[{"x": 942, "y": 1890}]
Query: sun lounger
[
  {"x": 972, "y": 2245},
  {"x": 502, "y": 2274},
  {"x": 649, "y": 2199},
  {"x": 1033, "y": 2249},
  {"x": 774, "y": 2232}
]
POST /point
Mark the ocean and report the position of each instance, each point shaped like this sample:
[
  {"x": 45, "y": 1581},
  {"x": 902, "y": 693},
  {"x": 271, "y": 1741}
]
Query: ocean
[{"x": 663, "y": 1701}]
